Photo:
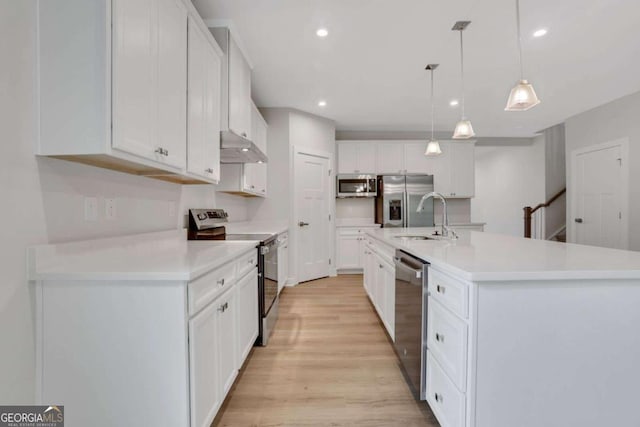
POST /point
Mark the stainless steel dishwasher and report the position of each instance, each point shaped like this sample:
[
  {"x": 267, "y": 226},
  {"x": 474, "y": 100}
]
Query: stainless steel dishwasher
[{"x": 411, "y": 319}]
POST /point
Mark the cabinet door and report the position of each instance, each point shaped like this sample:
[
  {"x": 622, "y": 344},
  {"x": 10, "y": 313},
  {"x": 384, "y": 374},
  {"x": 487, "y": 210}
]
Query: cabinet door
[
  {"x": 227, "y": 336},
  {"x": 247, "y": 314},
  {"x": 442, "y": 169},
  {"x": 172, "y": 81},
  {"x": 203, "y": 157},
  {"x": 134, "y": 77},
  {"x": 390, "y": 299},
  {"x": 239, "y": 92},
  {"x": 283, "y": 265},
  {"x": 348, "y": 251},
  {"x": 414, "y": 159},
  {"x": 379, "y": 299},
  {"x": 203, "y": 360},
  {"x": 463, "y": 170},
  {"x": 347, "y": 157},
  {"x": 390, "y": 157},
  {"x": 260, "y": 179},
  {"x": 366, "y": 158}
]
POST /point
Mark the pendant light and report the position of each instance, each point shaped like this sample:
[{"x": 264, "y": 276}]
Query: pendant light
[
  {"x": 463, "y": 130},
  {"x": 522, "y": 96},
  {"x": 433, "y": 147}
]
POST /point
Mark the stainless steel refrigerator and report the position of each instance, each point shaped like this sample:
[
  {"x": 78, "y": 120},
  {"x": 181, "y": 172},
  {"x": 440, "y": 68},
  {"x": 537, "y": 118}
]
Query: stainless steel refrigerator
[{"x": 398, "y": 198}]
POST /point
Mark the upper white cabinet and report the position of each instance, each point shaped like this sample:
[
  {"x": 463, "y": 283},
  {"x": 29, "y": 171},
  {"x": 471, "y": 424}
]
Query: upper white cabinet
[
  {"x": 357, "y": 157},
  {"x": 390, "y": 158},
  {"x": 415, "y": 162},
  {"x": 236, "y": 86},
  {"x": 454, "y": 170},
  {"x": 124, "y": 106},
  {"x": 203, "y": 157}
]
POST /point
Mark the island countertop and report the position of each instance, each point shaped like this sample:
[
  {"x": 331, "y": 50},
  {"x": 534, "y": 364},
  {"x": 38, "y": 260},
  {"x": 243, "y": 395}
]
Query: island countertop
[{"x": 478, "y": 256}]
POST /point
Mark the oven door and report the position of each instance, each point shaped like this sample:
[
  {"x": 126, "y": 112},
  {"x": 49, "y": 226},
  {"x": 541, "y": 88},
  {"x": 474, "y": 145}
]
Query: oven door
[{"x": 269, "y": 276}]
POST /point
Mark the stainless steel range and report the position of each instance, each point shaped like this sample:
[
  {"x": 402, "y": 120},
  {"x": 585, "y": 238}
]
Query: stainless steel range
[{"x": 208, "y": 224}]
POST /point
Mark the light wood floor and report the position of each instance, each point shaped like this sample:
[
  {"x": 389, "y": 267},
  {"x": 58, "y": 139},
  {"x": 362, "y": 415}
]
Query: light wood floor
[{"x": 328, "y": 363}]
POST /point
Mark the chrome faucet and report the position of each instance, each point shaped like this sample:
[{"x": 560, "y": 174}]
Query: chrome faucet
[{"x": 446, "y": 230}]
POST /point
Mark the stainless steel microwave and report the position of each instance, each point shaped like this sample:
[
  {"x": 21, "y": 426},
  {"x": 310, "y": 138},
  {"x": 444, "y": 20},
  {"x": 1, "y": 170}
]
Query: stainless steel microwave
[{"x": 356, "y": 186}]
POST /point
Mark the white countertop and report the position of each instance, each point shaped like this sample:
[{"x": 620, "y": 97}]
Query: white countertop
[
  {"x": 257, "y": 227},
  {"x": 161, "y": 256},
  {"x": 479, "y": 256}
]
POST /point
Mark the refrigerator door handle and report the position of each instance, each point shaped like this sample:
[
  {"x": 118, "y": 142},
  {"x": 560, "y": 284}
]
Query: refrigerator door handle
[{"x": 405, "y": 208}]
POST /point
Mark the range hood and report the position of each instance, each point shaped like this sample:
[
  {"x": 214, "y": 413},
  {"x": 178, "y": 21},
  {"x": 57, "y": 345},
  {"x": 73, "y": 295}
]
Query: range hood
[{"x": 237, "y": 149}]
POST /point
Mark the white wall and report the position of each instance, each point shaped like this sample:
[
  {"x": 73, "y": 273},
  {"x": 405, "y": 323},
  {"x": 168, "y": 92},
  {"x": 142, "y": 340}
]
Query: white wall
[
  {"x": 354, "y": 208},
  {"x": 43, "y": 200},
  {"x": 508, "y": 178},
  {"x": 615, "y": 120}
]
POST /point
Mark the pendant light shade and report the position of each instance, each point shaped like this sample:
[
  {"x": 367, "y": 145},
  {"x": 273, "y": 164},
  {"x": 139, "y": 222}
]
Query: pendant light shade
[
  {"x": 463, "y": 130},
  {"x": 522, "y": 96},
  {"x": 433, "y": 147}
]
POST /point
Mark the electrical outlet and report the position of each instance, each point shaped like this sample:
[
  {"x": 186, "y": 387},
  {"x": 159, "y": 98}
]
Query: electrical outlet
[
  {"x": 110, "y": 209},
  {"x": 90, "y": 208}
]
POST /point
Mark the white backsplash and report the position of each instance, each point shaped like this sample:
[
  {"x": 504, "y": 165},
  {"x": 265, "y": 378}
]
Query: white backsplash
[{"x": 355, "y": 208}]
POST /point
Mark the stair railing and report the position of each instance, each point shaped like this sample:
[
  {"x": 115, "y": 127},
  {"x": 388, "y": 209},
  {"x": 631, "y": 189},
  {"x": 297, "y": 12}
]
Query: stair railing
[{"x": 536, "y": 216}]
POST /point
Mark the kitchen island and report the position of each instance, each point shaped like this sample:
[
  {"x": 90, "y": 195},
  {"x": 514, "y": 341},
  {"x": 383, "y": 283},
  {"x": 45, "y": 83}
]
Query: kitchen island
[{"x": 523, "y": 332}]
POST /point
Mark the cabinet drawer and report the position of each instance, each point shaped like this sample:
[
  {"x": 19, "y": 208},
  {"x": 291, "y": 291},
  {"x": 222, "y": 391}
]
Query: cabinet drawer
[
  {"x": 450, "y": 292},
  {"x": 447, "y": 341},
  {"x": 204, "y": 289},
  {"x": 247, "y": 262},
  {"x": 445, "y": 400}
]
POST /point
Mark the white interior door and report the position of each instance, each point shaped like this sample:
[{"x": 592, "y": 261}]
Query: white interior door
[
  {"x": 312, "y": 210},
  {"x": 601, "y": 188}
]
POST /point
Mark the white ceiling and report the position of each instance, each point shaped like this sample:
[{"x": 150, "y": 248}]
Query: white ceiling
[{"x": 370, "y": 69}]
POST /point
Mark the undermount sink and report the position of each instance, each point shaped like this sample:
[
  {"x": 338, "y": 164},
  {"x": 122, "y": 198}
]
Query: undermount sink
[{"x": 415, "y": 237}]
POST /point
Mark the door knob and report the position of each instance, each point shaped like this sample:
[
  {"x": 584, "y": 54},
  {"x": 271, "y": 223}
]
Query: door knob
[
  {"x": 303, "y": 224},
  {"x": 578, "y": 220}
]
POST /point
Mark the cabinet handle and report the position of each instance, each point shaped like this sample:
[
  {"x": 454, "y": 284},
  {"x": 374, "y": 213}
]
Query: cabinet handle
[
  {"x": 162, "y": 151},
  {"x": 209, "y": 170},
  {"x": 221, "y": 282},
  {"x": 380, "y": 265},
  {"x": 439, "y": 337},
  {"x": 440, "y": 289},
  {"x": 356, "y": 171},
  {"x": 438, "y": 397},
  {"x": 221, "y": 308},
  {"x": 263, "y": 190},
  {"x": 250, "y": 261}
]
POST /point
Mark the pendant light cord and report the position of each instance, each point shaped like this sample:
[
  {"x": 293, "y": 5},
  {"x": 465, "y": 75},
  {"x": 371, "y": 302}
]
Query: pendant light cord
[
  {"x": 519, "y": 39},
  {"x": 462, "y": 71},
  {"x": 433, "y": 108}
]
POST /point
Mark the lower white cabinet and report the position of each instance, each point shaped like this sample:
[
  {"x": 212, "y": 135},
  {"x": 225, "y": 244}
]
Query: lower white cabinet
[
  {"x": 350, "y": 247},
  {"x": 380, "y": 282},
  {"x": 283, "y": 261},
  {"x": 247, "y": 314},
  {"x": 204, "y": 358},
  {"x": 446, "y": 401},
  {"x": 164, "y": 352}
]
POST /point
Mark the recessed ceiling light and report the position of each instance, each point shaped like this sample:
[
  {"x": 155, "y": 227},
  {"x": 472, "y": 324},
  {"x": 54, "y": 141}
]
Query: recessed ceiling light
[
  {"x": 245, "y": 149},
  {"x": 541, "y": 32},
  {"x": 322, "y": 103},
  {"x": 454, "y": 102},
  {"x": 322, "y": 32}
]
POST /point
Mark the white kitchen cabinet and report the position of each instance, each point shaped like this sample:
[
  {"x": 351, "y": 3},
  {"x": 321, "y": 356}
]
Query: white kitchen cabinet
[
  {"x": 380, "y": 281},
  {"x": 348, "y": 251},
  {"x": 357, "y": 157},
  {"x": 283, "y": 261},
  {"x": 236, "y": 86},
  {"x": 247, "y": 314},
  {"x": 149, "y": 79},
  {"x": 203, "y": 142},
  {"x": 415, "y": 162},
  {"x": 227, "y": 340},
  {"x": 454, "y": 170},
  {"x": 389, "y": 314},
  {"x": 204, "y": 354},
  {"x": 128, "y": 106},
  {"x": 390, "y": 158}
]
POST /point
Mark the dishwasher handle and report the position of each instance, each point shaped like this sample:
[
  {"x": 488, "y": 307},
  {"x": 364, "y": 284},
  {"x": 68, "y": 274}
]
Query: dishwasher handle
[{"x": 409, "y": 264}]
